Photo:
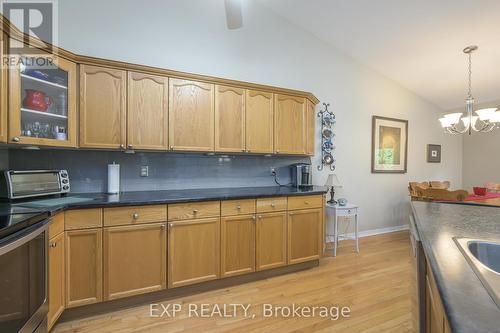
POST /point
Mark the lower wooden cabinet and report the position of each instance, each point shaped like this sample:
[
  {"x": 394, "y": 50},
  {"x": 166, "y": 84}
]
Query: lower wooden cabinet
[
  {"x": 237, "y": 245},
  {"x": 304, "y": 235},
  {"x": 435, "y": 317},
  {"x": 270, "y": 241},
  {"x": 56, "y": 278},
  {"x": 135, "y": 260},
  {"x": 193, "y": 251},
  {"x": 83, "y": 267}
]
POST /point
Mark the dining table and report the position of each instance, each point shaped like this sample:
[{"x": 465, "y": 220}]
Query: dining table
[{"x": 489, "y": 199}]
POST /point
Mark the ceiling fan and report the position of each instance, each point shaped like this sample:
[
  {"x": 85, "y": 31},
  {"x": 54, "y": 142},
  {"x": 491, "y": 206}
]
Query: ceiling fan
[{"x": 234, "y": 16}]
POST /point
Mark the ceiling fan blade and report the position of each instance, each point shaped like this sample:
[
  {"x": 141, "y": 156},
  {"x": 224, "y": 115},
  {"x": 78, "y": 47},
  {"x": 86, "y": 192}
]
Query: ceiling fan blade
[{"x": 234, "y": 17}]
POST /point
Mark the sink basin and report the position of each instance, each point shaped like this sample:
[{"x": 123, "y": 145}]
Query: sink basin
[
  {"x": 484, "y": 258},
  {"x": 487, "y": 253}
]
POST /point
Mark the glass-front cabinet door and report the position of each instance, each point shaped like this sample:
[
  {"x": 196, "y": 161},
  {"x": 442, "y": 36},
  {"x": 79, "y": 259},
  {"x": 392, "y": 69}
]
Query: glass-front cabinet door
[{"x": 42, "y": 103}]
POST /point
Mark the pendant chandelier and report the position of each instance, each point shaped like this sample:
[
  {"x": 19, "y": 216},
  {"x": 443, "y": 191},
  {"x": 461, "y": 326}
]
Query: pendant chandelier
[{"x": 485, "y": 120}]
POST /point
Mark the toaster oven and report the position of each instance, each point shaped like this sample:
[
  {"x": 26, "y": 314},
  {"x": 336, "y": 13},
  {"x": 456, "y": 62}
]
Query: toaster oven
[{"x": 17, "y": 184}]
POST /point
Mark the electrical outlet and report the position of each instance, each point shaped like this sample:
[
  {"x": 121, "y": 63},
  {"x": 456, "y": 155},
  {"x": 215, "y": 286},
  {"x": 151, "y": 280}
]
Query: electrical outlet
[
  {"x": 144, "y": 171},
  {"x": 273, "y": 171}
]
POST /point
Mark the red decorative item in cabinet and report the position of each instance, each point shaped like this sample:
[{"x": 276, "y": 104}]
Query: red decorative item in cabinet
[{"x": 36, "y": 100}]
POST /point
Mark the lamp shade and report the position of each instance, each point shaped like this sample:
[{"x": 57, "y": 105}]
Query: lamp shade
[{"x": 333, "y": 180}]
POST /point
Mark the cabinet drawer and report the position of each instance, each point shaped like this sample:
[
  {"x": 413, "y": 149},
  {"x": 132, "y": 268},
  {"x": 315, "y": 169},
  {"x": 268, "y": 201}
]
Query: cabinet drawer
[
  {"x": 305, "y": 202},
  {"x": 83, "y": 219},
  {"x": 237, "y": 207},
  {"x": 134, "y": 215},
  {"x": 271, "y": 204},
  {"x": 57, "y": 225},
  {"x": 193, "y": 210}
]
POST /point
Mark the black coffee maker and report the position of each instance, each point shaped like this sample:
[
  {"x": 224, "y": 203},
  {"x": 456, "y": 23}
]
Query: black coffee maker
[{"x": 301, "y": 174}]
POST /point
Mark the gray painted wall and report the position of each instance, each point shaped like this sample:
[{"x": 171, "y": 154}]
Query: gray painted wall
[{"x": 88, "y": 169}]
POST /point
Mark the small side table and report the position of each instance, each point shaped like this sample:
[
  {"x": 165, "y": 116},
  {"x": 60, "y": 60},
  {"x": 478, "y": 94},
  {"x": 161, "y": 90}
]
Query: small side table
[{"x": 337, "y": 211}]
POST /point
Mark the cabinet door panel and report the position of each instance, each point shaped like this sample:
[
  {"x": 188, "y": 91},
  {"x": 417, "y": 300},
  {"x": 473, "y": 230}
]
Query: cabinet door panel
[
  {"x": 83, "y": 267},
  {"x": 147, "y": 111},
  {"x": 132, "y": 270},
  {"x": 43, "y": 111},
  {"x": 271, "y": 240},
  {"x": 259, "y": 121},
  {"x": 310, "y": 127},
  {"x": 102, "y": 107},
  {"x": 193, "y": 251},
  {"x": 238, "y": 245},
  {"x": 191, "y": 115},
  {"x": 289, "y": 126},
  {"x": 229, "y": 119},
  {"x": 56, "y": 279},
  {"x": 304, "y": 235}
]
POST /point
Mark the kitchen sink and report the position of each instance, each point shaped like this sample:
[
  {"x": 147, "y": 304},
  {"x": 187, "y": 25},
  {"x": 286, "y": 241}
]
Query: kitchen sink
[{"x": 484, "y": 258}]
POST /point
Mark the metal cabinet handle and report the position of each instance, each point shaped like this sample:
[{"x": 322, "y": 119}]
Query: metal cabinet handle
[
  {"x": 238, "y": 207},
  {"x": 171, "y": 147},
  {"x": 253, "y": 217},
  {"x": 290, "y": 214},
  {"x": 273, "y": 205},
  {"x": 53, "y": 245},
  {"x": 135, "y": 216},
  {"x": 162, "y": 227},
  {"x": 16, "y": 139},
  {"x": 122, "y": 146},
  {"x": 243, "y": 150},
  {"x": 260, "y": 216},
  {"x": 170, "y": 225},
  {"x": 195, "y": 211},
  {"x": 306, "y": 202},
  {"x": 130, "y": 146}
]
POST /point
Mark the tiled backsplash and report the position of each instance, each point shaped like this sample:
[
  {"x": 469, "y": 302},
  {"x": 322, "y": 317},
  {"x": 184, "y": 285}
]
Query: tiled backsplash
[{"x": 167, "y": 171}]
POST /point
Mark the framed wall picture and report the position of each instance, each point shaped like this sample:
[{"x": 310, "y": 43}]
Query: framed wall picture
[
  {"x": 389, "y": 145},
  {"x": 433, "y": 153}
]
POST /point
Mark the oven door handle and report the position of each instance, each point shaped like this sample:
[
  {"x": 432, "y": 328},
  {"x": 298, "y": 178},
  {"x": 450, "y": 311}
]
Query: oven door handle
[{"x": 24, "y": 236}]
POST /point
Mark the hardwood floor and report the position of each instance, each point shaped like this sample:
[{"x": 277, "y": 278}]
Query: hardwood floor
[{"x": 374, "y": 285}]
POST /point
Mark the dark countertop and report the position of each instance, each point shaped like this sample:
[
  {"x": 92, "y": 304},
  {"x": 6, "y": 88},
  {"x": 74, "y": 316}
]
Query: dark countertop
[
  {"x": 468, "y": 305},
  {"x": 92, "y": 200}
]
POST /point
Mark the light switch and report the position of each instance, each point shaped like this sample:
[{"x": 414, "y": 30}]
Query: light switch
[{"x": 144, "y": 171}]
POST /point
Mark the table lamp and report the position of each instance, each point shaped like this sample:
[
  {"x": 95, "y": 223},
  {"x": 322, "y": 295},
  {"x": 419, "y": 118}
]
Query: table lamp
[{"x": 332, "y": 182}]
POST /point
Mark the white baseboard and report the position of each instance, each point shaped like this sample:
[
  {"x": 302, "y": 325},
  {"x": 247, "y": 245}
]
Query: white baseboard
[{"x": 379, "y": 231}]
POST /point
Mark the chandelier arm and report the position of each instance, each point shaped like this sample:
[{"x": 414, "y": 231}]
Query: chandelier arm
[{"x": 457, "y": 131}]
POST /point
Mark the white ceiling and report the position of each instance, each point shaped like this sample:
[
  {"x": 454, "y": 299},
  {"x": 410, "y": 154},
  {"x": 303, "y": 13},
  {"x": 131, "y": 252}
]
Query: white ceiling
[{"x": 417, "y": 43}]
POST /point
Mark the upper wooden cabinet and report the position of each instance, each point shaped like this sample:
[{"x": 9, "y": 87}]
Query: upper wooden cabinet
[
  {"x": 147, "y": 111},
  {"x": 103, "y": 94},
  {"x": 310, "y": 121},
  {"x": 3, "y": 90},
  {"x": 289, "y": 124},
  {"x": 42, "y": 102},
  {"x": 191, "y": 115},
  {"x": 229, "y": 119},
  {"x": 259, "y": 122},
  {"x": 132, "y": 270}
]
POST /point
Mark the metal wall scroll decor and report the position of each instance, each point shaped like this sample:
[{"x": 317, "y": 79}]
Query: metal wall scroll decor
[{"x": 327, "y": 135}]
